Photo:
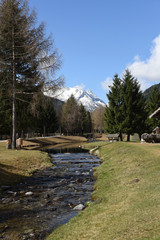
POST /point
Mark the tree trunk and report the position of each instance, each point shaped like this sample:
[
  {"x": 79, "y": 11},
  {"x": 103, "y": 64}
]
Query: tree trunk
[
  {"x": 13, "y": 94},
  {"x": 121, "y": 137},
  {"x": 44, "y": 131},
  {"x": 13, "y": 121},
  {"x": 139, "y": 136},
  {"x": 128, "y": 137}
]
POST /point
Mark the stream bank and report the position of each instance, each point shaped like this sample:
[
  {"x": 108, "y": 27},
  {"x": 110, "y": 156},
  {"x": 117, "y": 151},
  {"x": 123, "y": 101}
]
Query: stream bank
[{"x": 33, "y": 209}]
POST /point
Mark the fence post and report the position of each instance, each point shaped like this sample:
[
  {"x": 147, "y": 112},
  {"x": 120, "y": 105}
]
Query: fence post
[
  {"x": 8, "y": 144},
  {"x": 20, "y": 143}
]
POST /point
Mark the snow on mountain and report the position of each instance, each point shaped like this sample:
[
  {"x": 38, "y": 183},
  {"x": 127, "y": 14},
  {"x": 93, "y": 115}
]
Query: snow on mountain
[{"x": 89, "y": 100}]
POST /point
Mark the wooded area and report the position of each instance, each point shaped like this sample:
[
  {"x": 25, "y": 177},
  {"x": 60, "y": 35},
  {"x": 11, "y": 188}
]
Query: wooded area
[
  {"x": 128, "y": 111},
  {"x": 28, "y": 65}
]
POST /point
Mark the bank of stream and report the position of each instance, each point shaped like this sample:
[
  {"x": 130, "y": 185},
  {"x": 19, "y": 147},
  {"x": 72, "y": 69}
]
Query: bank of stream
[{"x": 34, "y": 208}]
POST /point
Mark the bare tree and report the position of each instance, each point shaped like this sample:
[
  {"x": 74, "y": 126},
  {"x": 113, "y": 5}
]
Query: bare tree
[
  {"x": 98, "y": 119},
  {"x": 28, "y": 61}
]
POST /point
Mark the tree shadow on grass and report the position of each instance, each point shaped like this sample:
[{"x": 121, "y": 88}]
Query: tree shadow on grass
[{"x": 7, "y": 177}]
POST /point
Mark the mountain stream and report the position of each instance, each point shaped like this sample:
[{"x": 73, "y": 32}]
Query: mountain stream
[{"x": 33, "y": 209}]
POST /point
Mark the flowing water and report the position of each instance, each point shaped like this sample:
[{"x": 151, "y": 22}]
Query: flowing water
[{"x": 33, "y": 209}]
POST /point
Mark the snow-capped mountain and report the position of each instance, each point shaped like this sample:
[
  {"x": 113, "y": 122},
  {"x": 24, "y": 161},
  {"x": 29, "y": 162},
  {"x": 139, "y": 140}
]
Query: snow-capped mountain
[{"x": 89, "y": 100}]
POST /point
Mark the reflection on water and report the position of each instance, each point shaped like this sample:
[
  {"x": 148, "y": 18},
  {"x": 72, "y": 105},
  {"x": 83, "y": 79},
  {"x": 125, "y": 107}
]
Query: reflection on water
[{"x": 65, "y": 148}]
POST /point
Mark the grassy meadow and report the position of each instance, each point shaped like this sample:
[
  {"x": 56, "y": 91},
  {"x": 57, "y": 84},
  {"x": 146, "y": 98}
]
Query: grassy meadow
[{"x": 126, "y": 196}]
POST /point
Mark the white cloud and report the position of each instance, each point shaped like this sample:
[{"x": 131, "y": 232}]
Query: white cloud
[
  {"x": 147, "y": 72},
  {"x": 108, "y": 82}
]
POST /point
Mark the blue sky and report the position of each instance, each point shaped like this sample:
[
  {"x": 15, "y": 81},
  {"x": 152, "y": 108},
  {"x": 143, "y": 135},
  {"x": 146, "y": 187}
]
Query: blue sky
[{"x": 98, "y": 38}]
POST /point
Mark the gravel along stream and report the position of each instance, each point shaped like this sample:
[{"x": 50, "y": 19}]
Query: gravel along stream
[{"x": 49, "y": 198}]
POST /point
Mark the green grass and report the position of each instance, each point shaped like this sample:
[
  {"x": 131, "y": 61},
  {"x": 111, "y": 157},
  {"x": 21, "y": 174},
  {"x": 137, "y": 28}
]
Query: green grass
[{"x": 126, "y": 197}]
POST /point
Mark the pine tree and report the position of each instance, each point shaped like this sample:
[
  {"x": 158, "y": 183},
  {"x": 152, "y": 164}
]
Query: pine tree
[
  {"x": 113, "y": 114},
  {"x": 84, "y": 121},
  {"x": 88, "y": 122},
  {"x": 48, "y": 122},
  {"x": 70, "y": 117},
  {"x": 83, "y": 118},
  {"x": 126, "y": 111},
  {"x": 153, "y": 100},
  {"x": 109, "y": 120},
  {"x": 25, "y": 120},
  {"x": 25, "y": 56},
  {"x": 5, "y": 114},
  {"x": 153, "y": 104},
  {"x": 5, "y": 117},
  {"x": 133, "y": 106}
]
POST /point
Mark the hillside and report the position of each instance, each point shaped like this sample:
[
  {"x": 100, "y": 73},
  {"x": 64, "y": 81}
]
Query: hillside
[{"x": 147, "y": 92}]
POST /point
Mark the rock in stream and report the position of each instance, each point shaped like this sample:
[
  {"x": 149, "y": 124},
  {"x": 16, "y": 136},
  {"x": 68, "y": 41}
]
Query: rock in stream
[{"x": 33, "y": 209}]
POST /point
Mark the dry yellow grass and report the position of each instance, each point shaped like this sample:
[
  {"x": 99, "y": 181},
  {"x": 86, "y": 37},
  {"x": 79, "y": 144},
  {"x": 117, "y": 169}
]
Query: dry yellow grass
[
  {"x": 15, "y": 165},
  {"x": 37, "y": 142}
]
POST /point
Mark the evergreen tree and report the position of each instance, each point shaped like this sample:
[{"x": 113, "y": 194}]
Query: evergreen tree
[
  {"x": 113, "y": 116},
  {"x": 109, "y": 124},
  {"x": 48, "y": 122},
  {"x": 133, "y": 106},
  {"x": 70, "y": 117},
  {"x": 126, "y": 111},
  {"x": 5, "y": 116},
  {"x": 83, "y": 118},
  {"x": 88, "y": 123},
  {"x": 153, "y": 100},
  {"x": 25, "y": 120},
  {"x": 153, "y": 104},
  {"x": 25, "y": 56}
]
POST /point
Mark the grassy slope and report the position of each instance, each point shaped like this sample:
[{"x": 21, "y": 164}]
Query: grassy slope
[
  {"x": 16, "y": 165},
  {"x": 127, "y": 197}
]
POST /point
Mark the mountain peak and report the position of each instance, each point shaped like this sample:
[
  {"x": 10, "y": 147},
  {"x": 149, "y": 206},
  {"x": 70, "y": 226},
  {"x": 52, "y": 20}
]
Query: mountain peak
[{"x": 89, "y": 100}]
